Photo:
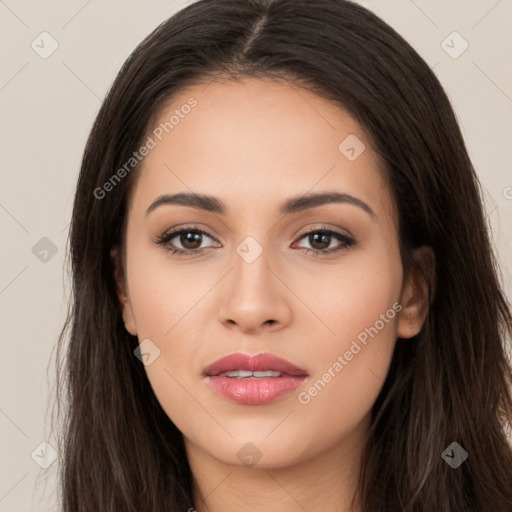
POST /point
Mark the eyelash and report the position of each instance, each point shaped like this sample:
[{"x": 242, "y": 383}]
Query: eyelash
[{"x": 164, "y": 240}]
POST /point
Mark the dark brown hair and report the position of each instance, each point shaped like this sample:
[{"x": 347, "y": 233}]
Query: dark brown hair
[{"x": 119, "y": 450}]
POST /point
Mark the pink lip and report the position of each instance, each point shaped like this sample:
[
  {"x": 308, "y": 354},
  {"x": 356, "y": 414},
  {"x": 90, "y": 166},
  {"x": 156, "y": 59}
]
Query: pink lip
[
  {"x": 254, "y": 363},
  {"x": 251, "y": 390}
]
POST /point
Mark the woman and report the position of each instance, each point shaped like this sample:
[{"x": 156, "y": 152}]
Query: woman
[{"x": 284, "y": 291}]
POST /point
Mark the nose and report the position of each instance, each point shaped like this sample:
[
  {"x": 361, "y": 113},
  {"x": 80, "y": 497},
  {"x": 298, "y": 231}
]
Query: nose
[{"x": 254, "y": 297}]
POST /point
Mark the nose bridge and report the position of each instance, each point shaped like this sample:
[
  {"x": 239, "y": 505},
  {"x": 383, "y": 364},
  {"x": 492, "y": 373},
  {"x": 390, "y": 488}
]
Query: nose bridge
[
  {"x": 251, "y": 274},
  {"x": 253, "y": 295}
]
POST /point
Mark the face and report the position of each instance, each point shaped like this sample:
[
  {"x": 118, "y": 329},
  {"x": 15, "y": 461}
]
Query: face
[{"x": 258, "y": 271}]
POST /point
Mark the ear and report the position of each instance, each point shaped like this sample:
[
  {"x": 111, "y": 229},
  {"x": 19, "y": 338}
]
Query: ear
[
  {"x": 415, "y": 298},
  {"x": 122, "y": 294}
]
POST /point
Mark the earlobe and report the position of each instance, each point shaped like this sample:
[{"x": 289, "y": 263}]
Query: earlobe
[
  {"x": 129, "y": 319},
  {"x": 122, "y": 295},
  {"x": 416, "y": 293},
  {"x": 118, "y": 275}
]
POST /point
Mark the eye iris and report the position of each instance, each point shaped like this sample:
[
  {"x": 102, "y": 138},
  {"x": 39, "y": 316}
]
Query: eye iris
[
  {"x": 323, "y": 239},
  {"x": 190, "y": 239}
]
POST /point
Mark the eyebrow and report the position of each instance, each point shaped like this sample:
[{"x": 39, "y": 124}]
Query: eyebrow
[{"x": 292, "y": 205}]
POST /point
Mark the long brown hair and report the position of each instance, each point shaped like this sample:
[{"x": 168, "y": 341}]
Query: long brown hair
[{"x": 450, "y": 383}]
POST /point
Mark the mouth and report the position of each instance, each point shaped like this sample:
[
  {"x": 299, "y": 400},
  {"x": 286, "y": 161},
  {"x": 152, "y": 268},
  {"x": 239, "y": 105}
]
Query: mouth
[
  {"x": 253, "y": 380},
  {"x": 246, "y": 374}
]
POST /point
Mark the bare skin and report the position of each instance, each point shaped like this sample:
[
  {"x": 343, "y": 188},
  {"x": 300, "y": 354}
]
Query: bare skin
[{"x": 253, "y": 145}]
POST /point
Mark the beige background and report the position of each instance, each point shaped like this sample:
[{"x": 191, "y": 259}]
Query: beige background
[{"x": 47, "y": 107}]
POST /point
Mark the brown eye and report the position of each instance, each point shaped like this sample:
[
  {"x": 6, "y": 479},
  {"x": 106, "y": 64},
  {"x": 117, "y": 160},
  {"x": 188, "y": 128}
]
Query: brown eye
[
  {"x": 320, "y": 241},
  {"x": 190, "y": 239},
  {"x": 185, "y": 241}
]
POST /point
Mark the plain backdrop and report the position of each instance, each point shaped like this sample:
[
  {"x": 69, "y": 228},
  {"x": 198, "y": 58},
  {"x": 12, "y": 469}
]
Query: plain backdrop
[{"x": 47, "y": 106}]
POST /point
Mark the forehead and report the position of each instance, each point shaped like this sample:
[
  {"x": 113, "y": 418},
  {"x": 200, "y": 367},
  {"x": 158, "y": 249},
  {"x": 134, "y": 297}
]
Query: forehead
[{"x": 258, "y": 138}]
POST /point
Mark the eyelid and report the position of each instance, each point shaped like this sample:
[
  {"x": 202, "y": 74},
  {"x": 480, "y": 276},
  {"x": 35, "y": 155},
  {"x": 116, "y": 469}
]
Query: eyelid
[
  {"x": 173, "y": 232},
  {"x": 327, "y": 227}
]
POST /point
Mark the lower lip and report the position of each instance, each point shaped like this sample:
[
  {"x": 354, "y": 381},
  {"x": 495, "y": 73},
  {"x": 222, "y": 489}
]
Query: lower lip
[{"x": 254, "y": 391}]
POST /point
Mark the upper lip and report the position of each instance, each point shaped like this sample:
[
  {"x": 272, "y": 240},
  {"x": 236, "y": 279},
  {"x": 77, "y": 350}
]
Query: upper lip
[{"x": 253, "y": 363}]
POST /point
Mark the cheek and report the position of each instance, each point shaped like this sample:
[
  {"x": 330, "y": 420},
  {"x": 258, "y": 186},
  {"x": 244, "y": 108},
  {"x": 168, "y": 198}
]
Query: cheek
[
  {"x": 349, "y": 372},
  {"x": 352, "y": 295},
  {"x": 351, "y": 359},
  {"x": 163, "y": 292},
  {"x": 166, "y": 300}
]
